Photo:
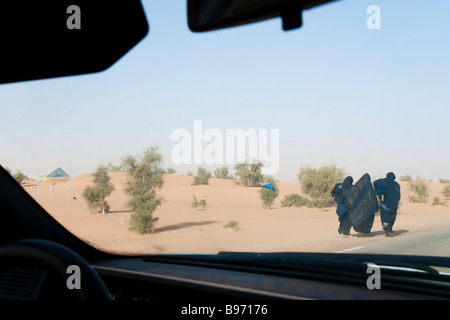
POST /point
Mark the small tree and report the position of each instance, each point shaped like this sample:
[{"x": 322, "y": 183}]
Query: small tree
[
  {"x": 20, "y": 176},
  {"x": 249, "y": 174},
  {"x": 267, "y": 195},
  {"x": 202, "y": 176},
  {"x": 95, "y": 196},
  {"x": 145, "y": 177},
  {"x": 318, "y": 183}
]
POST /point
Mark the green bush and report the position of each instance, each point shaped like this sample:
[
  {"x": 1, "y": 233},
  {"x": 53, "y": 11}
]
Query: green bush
[
  {"x": 198, "y": 203},
  {"x": 415, "y": 199},
  {"x": 444, "y": 180},
  {"x": 113, "y": 168},
  {"x": 318, "y": 183},
  {"x": 95, "y": 196},
  {"x": 437, "y": 202},
  {"x": 145, "y": 177},
  {"x": 249, "y": 174},
  {"x": 295, "y": 200},
  {"x": 20, "y": 176},
  {"x": 446, "y": 191},
  {"x": 421, "y": 189},
  {"x": 405, "y": 178},
  {"x": 222, "y": 173},
  {"x": 202, "y": 177},
  {"x": 234, "y": 225},
  {"x": 267, "y": 195}
]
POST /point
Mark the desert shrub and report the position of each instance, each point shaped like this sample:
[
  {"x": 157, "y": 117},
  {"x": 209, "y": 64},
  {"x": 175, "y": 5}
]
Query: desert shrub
[
  {"x": 234, "y": 225},
  {"x": 295, "y": 200},
  {"x": 318, "y": 183},
  {"x": 421, "y": 189},
  {"x": 198, "y": 203},
  {"x": 190, "y": 174},
  {"x": 19, "y": 176},
  {"x": 171, "y": 171},
  {"x": 249, "y": 175},
  {"x": 95, "y": 195},
  {"x": 444, "y": 180},
  {"x": 113, "y": 168},
  {"x": 267, "y": 195},
  {"x": 415, "y": 199},
  {"x": 446, "y": 191},
  {"x": 202, "y": 176},
  {"x": 405, "y": 178},
  {"x": 437, "y": 202},
  {"x": 222, "y": 173},
  {"x": 145, "y": 177}
]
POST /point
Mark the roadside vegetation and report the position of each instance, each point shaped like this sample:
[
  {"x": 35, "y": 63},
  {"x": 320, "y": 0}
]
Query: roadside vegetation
[
  {"x": 233, "y": 225},
  {"x": 198, "y": 204},
  {"x": 438, "y": 202},
  {"x": 318, "y": 183},
  {"x": 249, "y": 174},
  {"x": 446, "y": 191},
  {"x": 222, "y": 173},
  {"x": 145, "y": 178},
  {"x": 267, "y": 195},
  {"x": 421, "y": 190},
  {"x": 202, "y": 177},
  {"x": 295, "y": 200},
  {"x": 95, "y": 196}
]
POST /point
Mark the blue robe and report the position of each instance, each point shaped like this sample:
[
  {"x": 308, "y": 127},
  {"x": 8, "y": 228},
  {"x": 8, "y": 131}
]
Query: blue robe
[
  {"x": 339, "y": 193},
  {"x": 390, "y": 189},
  {"x": 363, "y": 204}
]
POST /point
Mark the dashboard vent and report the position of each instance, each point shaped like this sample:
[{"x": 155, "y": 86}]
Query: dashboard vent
[{"x": 20, "y": 284}]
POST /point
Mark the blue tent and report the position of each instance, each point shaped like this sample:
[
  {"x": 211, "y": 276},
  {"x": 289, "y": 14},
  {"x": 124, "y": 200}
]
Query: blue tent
[
  {"x": 269, "y": 186},
  {"x": 58, "y": 173}
]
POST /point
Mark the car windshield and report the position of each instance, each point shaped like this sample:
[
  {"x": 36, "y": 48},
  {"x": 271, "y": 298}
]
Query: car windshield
[{"x": 242, "y": 139}]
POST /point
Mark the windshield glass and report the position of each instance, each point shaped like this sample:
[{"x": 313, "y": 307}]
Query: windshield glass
[{"x": 242, "y": 139}]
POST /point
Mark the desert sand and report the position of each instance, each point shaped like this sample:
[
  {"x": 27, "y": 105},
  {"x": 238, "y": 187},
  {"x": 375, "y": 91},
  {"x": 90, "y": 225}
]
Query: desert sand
[{"x": 181, "y": 229}]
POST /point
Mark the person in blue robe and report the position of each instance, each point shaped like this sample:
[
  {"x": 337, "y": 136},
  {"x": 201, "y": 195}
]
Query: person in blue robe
[
  {"x": 339, "y": 193},
  {"x": 388, "y": 190},
  {"x": 363, "y": 204}
]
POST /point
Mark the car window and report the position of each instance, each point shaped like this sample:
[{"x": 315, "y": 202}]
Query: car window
[{"x": 241, "y": 139}]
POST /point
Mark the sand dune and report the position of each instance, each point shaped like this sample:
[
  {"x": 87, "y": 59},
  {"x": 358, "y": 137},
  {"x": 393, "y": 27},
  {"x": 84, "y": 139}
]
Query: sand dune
[{"x": 182, "y": 229}]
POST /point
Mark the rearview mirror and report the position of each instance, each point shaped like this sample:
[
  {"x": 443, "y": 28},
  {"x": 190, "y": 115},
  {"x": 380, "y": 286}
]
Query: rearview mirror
[
  {"x": 207, "y": 15},
  {"x": 47, "y": 38}
]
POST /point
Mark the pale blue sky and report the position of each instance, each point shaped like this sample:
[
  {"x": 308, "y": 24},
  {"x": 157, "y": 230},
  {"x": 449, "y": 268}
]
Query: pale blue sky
[{"x": 368, "y": 100}]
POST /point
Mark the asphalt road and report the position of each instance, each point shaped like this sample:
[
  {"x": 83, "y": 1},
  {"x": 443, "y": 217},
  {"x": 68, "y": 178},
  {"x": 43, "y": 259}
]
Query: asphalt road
[{"x": 433, "y": 242}]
